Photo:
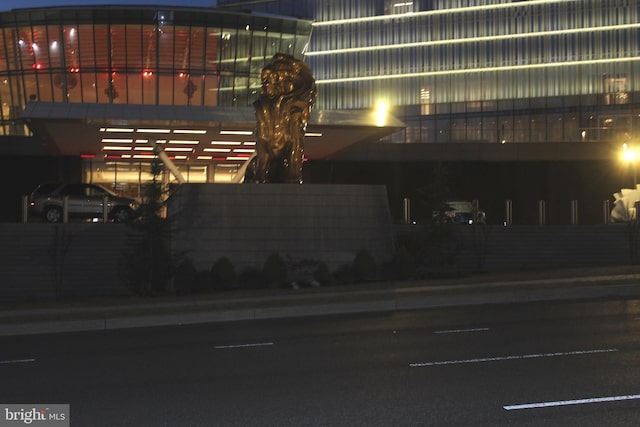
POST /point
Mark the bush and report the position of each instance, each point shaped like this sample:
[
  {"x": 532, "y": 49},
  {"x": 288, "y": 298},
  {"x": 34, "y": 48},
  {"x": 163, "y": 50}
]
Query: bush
[
  {"x": 301, "y": 272},
  {"x": 404, "y": 264},
  {"x": 323, "y": 275},
  {"x": 223, "y": 274},
  {"x": 251, "y": 278},
  {"x": 184, "y": 277},
  {"x": 344, "y": 274},
  {"x": 202, "y": 282},
  {"x": 274, "y": 271},
  {"x": 364, "y": 266}
]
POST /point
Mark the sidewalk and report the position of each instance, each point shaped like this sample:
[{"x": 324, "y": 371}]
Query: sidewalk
[{"x": 131, "y": 312}]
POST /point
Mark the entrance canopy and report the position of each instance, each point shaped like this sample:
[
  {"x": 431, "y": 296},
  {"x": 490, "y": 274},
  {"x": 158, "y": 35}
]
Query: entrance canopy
[{"x": 188, "y": 133}]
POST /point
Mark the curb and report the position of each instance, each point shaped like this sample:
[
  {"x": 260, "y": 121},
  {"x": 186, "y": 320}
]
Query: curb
[{"x": 374, "y": 301}]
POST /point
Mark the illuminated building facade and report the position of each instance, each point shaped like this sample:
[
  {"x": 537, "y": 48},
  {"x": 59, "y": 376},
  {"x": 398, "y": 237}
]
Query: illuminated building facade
[
  {"x": 505, "y": 83},
  {"x": 493, "y": 71},
  {"x": 110, "y": 84},
  {"x": 133, "y": 55},
  {"x": 122, "y": 73}
]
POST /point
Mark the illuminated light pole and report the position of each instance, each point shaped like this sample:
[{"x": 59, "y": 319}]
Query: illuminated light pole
[{"x": 630, "y": 156}]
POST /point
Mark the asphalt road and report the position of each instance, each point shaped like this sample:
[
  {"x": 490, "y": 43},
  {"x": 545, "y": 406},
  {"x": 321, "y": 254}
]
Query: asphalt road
[{"x": 529, "y": 364}]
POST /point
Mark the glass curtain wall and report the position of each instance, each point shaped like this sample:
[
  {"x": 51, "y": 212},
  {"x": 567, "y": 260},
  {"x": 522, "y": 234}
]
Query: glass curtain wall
[
  {"x": 127, "y": 178},
  {"x": 149, "y": 56},
  {"x": 481, "y": 70}
]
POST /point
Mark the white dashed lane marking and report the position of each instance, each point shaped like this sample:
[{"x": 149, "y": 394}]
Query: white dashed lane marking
[
  {"x": 570, "y": 402},
  {"x": 260, "y": 344},
  {"x": 517, "y": 357},
  {"x": 7, "y": 362},
  {"x": 459, "y": 331}
]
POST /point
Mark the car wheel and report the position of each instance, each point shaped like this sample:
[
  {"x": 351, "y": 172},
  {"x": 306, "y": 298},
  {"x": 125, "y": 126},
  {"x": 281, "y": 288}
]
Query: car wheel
[
  {"x": 121, "y": 215},
  {"x": 52, "y": 214}
]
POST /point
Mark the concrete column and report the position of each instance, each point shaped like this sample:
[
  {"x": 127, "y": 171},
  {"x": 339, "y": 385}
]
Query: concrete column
[
  {"x": 606, "y": 212},
  {"x": 574, "y": 212},
  {"x": 542, "y": 212},
  {"x": 25, "y": 209},
  {"x": 508, "y": 212},
  {"x": 105, "y": 209},
  {"x": 65, "y": 209},
  {"x": 406, "y": 210}
]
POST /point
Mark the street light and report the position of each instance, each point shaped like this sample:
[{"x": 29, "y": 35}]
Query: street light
[{"x": 630, "y": 156}]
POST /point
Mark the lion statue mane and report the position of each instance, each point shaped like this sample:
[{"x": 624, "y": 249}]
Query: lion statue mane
[{"x": 282, "y": 111}]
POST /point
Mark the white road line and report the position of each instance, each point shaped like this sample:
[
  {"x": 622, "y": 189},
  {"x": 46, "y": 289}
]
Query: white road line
[
  {"x": 6, "y": 362},
  {"x": 458, "y": 331},
  {"x": 260, "y": 344},
  {"x": 570, "y": 402},
  {"x": 519, "y": 357}
]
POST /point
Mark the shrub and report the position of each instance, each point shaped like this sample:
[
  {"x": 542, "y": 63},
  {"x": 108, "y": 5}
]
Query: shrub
[
  {"x": 301, "y": 271},
  {"x": 323, "y": 275},
  {"x": 274, "y": 270},
  {"x": 202, "y": 282},
  {"x": 184, "y": 277},
  {"x": 364, "y": 266},
  {"x": 251, "y": 278},
  {"x": 404, "y": 264},
  {"x": 223, "y": 274},
  {"x": 344, "y": 274}
]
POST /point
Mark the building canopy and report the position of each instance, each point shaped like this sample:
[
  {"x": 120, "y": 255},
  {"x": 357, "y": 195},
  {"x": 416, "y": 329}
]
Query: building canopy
[{"x": 189, "y": 133}]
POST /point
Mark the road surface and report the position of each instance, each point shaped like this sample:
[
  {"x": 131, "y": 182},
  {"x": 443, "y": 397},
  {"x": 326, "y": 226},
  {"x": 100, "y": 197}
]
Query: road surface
[{"x": 528, "y": 364}]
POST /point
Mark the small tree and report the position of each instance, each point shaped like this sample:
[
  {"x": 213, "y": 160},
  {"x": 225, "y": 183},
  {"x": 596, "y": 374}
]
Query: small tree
[
  {"x": 148, "y": 268},
  {"x": 432, "y": 195},
  {"x": 438, "y": 249}
]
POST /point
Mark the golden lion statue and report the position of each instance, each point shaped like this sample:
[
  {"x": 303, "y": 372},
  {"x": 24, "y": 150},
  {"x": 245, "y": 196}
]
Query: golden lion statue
[{"x": 282, "y": 109}]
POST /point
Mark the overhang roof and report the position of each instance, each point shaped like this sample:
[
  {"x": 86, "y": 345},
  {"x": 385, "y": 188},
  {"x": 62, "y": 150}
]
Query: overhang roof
[{"x": 80, "y": 129}]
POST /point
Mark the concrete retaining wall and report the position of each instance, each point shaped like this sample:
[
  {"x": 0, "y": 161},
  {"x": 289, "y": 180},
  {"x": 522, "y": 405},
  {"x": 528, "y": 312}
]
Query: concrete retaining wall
[
  {"x": 530, "y": 247},
  {"x": 49, "y": 260},
  {"x": 524, "y": 247},
  {"x": 83, "y": 259},
  {"x": 247, "y": 223}
]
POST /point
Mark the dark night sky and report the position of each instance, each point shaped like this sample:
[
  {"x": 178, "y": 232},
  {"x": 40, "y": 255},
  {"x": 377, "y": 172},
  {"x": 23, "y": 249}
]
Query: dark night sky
[{"x": 6, "y": 5}]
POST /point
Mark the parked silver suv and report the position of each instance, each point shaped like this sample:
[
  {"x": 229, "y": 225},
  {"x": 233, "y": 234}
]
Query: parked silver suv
[{"x": 85, "y": 201}]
